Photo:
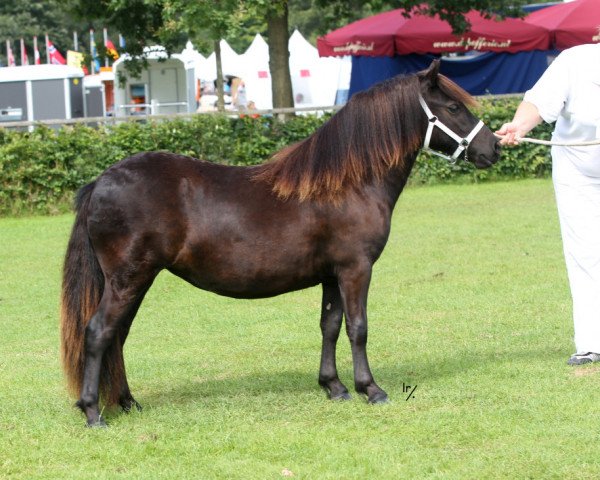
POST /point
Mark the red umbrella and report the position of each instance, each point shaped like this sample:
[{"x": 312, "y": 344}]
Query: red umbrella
[
  {"x": 570, "y": 23},
  {"x": 391, "y": 33}
]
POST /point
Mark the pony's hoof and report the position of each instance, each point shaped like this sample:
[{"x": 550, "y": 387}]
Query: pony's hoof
[
  {"x": 127, "y": 405},
  {"x": 340, "y": 397},
  {"x": 379, "y": 398},
  {"x": 100, "y": 423}
]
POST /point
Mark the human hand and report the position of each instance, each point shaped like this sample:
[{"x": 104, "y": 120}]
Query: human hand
[{"x": 509, "y": 134}]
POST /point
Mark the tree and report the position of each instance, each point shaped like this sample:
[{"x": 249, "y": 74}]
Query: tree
[
  {"x": 171, "y": 22},
  {"x": 29, "y": 18},
  {"x": 336, "y": 13},
  {"x": 203, "y": 19}
]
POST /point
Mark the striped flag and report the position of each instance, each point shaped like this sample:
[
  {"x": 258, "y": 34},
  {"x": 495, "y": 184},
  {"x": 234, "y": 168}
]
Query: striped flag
[
  {"x": 9, "y": 55},
  {"x": 95, "y": 66},
  {"x": 54, "y": 55},
  {"x": 24, "y": 58},
  {"x": 111, "y": 50}
]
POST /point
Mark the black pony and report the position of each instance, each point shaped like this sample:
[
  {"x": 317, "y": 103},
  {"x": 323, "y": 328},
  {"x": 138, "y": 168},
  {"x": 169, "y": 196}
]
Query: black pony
[{"x": 318, "y": 213}]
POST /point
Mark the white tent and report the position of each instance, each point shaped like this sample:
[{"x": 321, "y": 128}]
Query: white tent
[
  {"x": 257, "y": 76},
  {"x": 315, "y": 80},
  {"x": 190, "y": 54},
  {"x": 231, "y": 64}
]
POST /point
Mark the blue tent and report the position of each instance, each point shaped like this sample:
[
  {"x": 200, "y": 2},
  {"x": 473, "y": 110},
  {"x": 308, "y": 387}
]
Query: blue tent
[{"x": 487, "y": 73}]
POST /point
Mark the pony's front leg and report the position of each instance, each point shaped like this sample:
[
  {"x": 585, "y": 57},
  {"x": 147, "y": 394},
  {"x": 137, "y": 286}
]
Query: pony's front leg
[
  {"x": 354, "y": 288},
  {"x": 331, "y": 323}
]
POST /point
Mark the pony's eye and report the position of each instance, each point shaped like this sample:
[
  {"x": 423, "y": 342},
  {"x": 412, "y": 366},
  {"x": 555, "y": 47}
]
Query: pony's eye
[{"x": 453, "y": 108}]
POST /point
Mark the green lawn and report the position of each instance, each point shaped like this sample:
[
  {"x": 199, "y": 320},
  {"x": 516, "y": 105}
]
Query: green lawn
[{"x": 469, "y": 302}]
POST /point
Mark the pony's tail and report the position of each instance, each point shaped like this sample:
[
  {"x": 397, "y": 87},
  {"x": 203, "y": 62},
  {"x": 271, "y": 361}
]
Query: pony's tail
[{"x": 82, "y": 287}]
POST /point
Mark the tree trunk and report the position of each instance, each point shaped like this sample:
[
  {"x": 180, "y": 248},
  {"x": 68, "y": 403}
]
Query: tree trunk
[
  {"x": 279, "y": 58},
  {"x": 220, "y": 96}
]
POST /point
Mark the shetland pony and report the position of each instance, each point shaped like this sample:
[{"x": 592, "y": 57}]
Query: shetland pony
[{"x": 318, "y": 213}]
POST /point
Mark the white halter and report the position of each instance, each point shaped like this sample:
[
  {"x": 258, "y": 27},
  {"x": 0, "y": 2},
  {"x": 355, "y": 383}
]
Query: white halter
[{"x": 463, "y": 142}]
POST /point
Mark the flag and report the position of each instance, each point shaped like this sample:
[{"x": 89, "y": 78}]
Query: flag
[
  {"x": 9, "y": 55},
  {"x": 74, "y": 59},
  {"x": 95, "y": 61},
  {"x": 55, "y": 56},
  {"x": 111, "y": 51},
  {"x": 24, "y": 58},
  {"x": 36, "y": 52}
]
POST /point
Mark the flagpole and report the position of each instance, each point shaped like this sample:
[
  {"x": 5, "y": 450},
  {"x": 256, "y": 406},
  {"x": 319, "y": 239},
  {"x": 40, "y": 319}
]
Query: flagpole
[
  {"x": 36, "y": 53},
  {"x": 92, "y": 51},
  {"x": 47, "y": 49},
  {"x": 105, "y": 33}
]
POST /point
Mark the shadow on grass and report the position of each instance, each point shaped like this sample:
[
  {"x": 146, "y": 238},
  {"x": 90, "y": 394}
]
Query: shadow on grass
[{"x": 295, "y": 382}]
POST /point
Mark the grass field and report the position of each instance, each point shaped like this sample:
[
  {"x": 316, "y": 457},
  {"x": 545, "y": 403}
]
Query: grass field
[{"x": 469, "y": 302}]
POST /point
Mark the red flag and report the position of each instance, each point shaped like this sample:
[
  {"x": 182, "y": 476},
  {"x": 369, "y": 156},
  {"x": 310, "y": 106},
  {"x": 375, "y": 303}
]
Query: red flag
[
  {"x": 9, "y": 55},
  {"x": 55, "y": 56},
  {"x": 24, "y": 58}
]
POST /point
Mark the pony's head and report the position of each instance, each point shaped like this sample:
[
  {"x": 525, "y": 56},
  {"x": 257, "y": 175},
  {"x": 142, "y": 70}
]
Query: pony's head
[{"x": 452, "y": 130}]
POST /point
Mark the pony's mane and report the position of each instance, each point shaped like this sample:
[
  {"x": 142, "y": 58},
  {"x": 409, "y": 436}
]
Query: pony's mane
[{"x": 375, "y": 131}]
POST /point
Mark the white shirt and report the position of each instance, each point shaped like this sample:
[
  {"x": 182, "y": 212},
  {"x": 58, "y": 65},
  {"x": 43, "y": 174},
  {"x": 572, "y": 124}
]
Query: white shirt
[{"x": 568, "y": 93}]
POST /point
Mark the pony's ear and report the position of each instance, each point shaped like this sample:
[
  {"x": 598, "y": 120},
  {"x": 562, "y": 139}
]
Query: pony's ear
[{"x": 431, "y": 74}]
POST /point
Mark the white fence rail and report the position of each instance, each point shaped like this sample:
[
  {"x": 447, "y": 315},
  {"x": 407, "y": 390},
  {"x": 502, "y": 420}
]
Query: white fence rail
[{"x": 170, "y": 116}]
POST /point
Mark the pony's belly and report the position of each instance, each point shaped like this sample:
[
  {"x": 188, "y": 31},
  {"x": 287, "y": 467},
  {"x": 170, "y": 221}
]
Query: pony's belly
[{"x": 236, "y": 284}]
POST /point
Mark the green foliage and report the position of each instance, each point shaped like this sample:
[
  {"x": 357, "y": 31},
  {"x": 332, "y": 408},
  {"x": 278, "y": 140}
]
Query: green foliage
[
  {"x": 41, "y": 170},
  {"x": 469, "y": 301},
  {"x": 523, "y": 161}
]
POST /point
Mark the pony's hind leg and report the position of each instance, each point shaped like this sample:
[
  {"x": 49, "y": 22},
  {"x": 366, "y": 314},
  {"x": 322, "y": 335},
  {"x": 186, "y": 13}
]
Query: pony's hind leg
[
  {"x": 126, "y": 400},
  {"x": 102, "y": 332},
  {"x": 331, "y": 323}
]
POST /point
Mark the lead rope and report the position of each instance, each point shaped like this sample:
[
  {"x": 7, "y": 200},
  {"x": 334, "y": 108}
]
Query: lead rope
[{"x": 559, "y": 144}]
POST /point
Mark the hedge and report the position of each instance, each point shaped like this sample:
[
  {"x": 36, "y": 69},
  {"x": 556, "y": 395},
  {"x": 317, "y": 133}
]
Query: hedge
[{"x": 41, "y": 170}]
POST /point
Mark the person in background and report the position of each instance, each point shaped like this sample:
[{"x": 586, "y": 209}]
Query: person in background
[
  {"x": 239, "y": 99},
  {"x": 568, "y": 93}
]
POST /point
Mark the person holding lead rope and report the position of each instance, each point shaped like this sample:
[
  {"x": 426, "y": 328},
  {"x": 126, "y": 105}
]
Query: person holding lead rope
[{"x": 568, "y": 93}]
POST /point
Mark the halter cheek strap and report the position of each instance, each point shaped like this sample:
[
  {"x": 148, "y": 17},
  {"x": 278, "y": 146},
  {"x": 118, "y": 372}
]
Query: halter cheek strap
[{"x": 463, "y": 142}]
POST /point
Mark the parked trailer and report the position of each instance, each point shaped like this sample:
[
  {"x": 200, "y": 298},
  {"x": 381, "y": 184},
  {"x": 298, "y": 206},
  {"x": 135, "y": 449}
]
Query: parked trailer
[
  {"x": 167, "y": 85},
  {"x": 41, "y": 92}
]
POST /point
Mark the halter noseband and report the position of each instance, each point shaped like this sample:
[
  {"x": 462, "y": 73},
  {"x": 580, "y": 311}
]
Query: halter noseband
[{"x": 463, "y": 142}]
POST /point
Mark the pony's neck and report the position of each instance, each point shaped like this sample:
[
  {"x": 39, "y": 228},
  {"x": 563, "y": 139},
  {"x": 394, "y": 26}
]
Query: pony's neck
[{"x": 396, "y": 179}]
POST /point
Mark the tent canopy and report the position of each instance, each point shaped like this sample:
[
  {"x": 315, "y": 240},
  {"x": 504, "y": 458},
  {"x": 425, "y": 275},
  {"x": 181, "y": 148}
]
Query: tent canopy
[
  {"x": 315, "y": 80},
  {"x": 570, "y": 23},
  {"x": 392, "y": 33},
  {"x": 255, "y": 73},
  {"x": 230, "y": 63}
]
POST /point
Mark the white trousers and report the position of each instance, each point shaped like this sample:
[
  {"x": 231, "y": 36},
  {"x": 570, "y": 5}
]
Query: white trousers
[{"x": 578, "y": 202}]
